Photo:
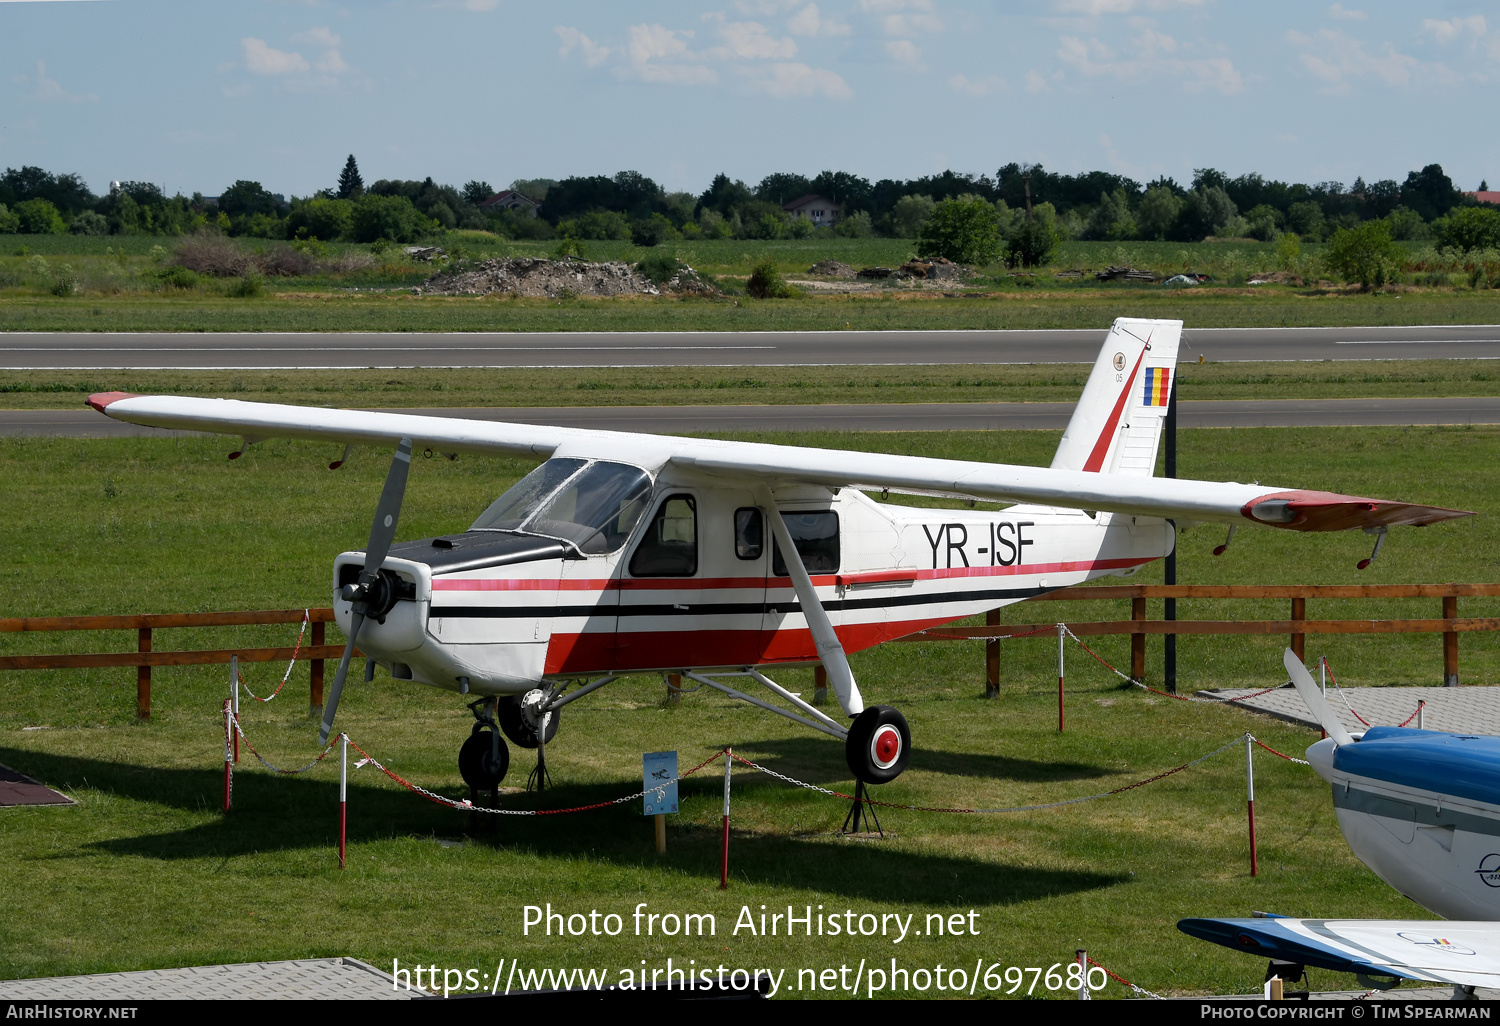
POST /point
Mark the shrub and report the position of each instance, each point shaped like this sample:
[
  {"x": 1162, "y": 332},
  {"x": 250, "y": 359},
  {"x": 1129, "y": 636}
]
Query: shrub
[
  {"x": 1031, "y": 245},
  {"x": 320, "y": 218},
  {"x": 964, "y": 232},
  {"x": 179, "y": 278},
  {"x": 653, "y": 231},
  {"x": 9, "y": 223},
  {"x": 213, "y": 254},
  {"x": 64, "y": 282},
  {"x": 659, "y": 267},
  {"x": 766, "y": 282},
  {"x": 89, "y": 223},
  {"x": 1288, "y": 251},
  {"x": 387, "y": 217},
  {"x": 1364, "y": 253},
  {"x": 249, "y": 286},
  {"x": 856, "y": 226},
  {"x": 39, "y": 217},
  {"x": 908, "y": 215},
  {"x": 1469, "y": 228},
  {"x": 286, "y": 261},
  {"x": 597, "y": 224},
  {"x": 568, "y": 247}
]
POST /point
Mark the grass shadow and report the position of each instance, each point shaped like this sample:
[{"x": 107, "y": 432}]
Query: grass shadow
[
  {"x": 819, "y": 761},
  {"x": 273, "y": 813}
]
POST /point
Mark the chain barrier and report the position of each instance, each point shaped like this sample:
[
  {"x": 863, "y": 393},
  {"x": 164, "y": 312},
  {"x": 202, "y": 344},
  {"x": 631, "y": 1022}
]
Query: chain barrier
[
  {"x": 1116, "y": 976},
  {"x": 1017, "y": 808},
  {"x": 306, "y": 619},
  {"x": 1357, "y": 716},
  {"x": 262, "y": 759},
  {"x": 1283, "y": 755}
]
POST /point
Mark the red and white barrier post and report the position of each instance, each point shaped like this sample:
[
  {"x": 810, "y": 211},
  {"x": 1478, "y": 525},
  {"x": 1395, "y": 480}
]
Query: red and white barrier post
[
  {"x": 343, "y": 793},
  {"x": 1062, "y": 630},
  {"x": 234, "y": 698},
  {"x": 1250, "y": 799},
  {"x": 1083, "y": 978},
  {"x": 724, "y": 862},
  {"x": 228, "y": 764}
]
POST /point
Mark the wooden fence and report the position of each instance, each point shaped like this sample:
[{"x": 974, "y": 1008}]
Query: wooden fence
[
  {"x": 1297, "y": 626},
  {"x": 1450, "y": 625}
]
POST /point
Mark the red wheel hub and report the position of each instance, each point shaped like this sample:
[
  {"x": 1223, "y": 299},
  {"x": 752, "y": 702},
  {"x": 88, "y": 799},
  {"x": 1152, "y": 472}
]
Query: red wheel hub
[{"x": 885, "y": 747}]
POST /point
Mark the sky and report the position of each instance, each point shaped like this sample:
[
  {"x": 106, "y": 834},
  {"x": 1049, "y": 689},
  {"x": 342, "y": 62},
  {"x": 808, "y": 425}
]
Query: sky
[{"x": 194, "y": 95}]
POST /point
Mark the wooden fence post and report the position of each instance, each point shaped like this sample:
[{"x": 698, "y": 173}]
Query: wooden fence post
[
  {"x": 143, "y": 676},
  {"x": 820, "y": 685},
  {"x": 1299, "y": 640},
  {"x": 1138, "y": 641},
  {"x": 315, "y": 694},
  {"x": 1450, "y": 643},
  {"x": 992, "y": 657},
  {"x": 674, "y": 689}
]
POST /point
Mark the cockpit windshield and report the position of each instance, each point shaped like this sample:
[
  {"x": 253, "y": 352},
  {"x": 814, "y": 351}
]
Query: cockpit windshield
[{"x": 593, "y": 505}]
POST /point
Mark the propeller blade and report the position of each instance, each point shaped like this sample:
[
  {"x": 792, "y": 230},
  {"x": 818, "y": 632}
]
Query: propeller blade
[
  {"x": 331, "y": 706},
  {"x": 1313, "y": 698},
  {"x": 387, "y": 512}
]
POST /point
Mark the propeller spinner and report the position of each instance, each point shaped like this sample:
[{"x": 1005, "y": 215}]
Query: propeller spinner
[{"x": 371, "y": 589}]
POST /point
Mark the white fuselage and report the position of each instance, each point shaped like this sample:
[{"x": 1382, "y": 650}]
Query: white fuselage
[{"x": 887, "y": 571}]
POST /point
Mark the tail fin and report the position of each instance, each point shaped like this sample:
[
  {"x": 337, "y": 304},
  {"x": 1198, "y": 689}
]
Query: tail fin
[{"x": 1116, "y": 426}]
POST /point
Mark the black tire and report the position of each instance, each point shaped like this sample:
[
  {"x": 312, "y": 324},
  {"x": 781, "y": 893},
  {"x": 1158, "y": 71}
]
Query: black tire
[
  {"x": 514, "y": 726},
  {"x": 476, "y": 760},
  {"x": 879, "y": 745}
]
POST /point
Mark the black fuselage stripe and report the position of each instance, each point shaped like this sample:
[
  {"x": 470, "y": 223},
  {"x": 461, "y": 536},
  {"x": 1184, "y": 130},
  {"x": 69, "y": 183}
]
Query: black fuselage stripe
[{"x": 726, "y": 608}]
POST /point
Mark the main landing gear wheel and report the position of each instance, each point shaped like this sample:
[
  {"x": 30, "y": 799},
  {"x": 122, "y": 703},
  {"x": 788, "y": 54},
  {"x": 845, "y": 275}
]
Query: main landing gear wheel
[
  {"x": 878, "y": 746},
  {"x": 484, "y": 759},
  {"x": 519, "y": 719}
]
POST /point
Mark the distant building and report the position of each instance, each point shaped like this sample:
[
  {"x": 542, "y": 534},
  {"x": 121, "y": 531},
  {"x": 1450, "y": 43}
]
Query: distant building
[
  {"x": 1485, "y": 197},
  {"x": 511, "y": 200},
  {"x": 820, "y": 210}
]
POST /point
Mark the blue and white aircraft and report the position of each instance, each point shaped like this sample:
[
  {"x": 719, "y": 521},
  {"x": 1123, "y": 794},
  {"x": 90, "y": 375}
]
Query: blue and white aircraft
[{"x": 1422, "y": 809}]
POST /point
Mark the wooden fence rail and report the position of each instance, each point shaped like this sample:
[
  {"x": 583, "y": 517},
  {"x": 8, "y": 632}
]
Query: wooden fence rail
[
  {"x": 1450, "y": 625},
  {"x": 1297, "y": 627}
]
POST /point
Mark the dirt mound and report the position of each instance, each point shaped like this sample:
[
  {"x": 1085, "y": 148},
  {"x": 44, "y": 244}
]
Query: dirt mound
[
  {"x": 529, "y": 276},
  {"x": 832, "y": 269},
  {"x": 937, "y": 267}
]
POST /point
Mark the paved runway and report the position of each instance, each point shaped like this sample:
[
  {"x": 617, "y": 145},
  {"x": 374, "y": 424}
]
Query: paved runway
[
  {"x": 85, "y": 423},
  {"x": 244, "y": 351}
]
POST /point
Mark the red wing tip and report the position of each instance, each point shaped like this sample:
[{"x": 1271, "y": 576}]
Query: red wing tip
[
  {"x": 1302, "y": 510},
  {"x": 99, "y": 400}
]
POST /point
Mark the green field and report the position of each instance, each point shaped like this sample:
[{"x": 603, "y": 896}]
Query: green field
[
  {"x": 724, "y": 386},
  {"x": 120, "y": 287},
  {"x": 145, "y": 872}
]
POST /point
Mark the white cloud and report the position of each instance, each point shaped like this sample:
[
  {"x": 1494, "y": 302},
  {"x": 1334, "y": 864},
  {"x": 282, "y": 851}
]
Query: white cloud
[
  {"x": 318, "y": 37},
  {"x": 905, "y": 52},
  {"x": 49, "y": 90},
  {"x": 331, "y": 63},
  {"x": 1338, "y": 12},
  {"x": 978, "y": 86},
  {"x": 1338, "y": 58},
  {"x": 593, "y": 54},
  {"x": 1035, "y": 83},
  {"x": 652, "y": 42},
  {"x": 1148, "y": 58},
  {"x": 1095, "y": 8},
  {"x": 749, "y": 40},
  {"x": 793, "y": 81},
  {"x": 265, "y": 60},
  {"x": 1471, "y": 27},
  {"x": 810, "y": 22}
]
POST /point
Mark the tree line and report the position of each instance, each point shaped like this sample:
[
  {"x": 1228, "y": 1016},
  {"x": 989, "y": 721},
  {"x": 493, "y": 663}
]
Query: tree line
[{"x": 1021, "y": 202}]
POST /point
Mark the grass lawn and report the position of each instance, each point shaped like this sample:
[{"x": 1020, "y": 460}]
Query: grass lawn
[
  {"x": 145, "y": 872},
  {"x": 673, "y": 386}
]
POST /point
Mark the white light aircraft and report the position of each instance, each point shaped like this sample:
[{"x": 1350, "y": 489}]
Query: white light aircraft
[
  {"x": 629, "y": 553},
  {"x": 1422, "y": 809}
]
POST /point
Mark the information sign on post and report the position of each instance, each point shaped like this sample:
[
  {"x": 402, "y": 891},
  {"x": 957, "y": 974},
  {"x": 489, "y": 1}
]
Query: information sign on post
[{"x": 659, "y": 779}]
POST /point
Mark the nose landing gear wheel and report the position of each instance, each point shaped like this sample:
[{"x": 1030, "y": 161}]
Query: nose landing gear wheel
[
  {"x": 518, "y": 720},
  {"x": 484, "y": 759}
]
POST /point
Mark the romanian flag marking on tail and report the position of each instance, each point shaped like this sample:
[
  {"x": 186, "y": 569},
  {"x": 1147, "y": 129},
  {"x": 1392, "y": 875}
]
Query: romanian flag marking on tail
[{"x": 1158, "y": 385}]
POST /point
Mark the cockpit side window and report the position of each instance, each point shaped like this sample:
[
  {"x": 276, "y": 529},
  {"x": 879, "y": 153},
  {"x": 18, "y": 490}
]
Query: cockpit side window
[
  {"x": 522, "y": 498},
  {"x": 816, "y": 536},
  {"x": 669, "y": 547}
]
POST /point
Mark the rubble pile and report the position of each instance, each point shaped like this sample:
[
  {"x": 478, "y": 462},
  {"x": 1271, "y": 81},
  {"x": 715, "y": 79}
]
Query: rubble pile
[
  {"x": 1113, "y": 273},
  {"x": 832, "y": 269},
  {"x": 937, "y": 267},
  {"x": 531, "y": 276}
]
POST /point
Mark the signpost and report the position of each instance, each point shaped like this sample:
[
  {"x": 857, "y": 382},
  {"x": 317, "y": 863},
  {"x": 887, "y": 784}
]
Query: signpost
[{"x": 659, "y": 778}]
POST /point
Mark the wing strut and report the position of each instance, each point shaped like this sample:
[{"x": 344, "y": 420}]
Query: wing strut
[{"x": 830, "y": 651}]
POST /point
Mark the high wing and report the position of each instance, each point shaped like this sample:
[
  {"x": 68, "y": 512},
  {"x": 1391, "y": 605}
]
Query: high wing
[
  {"x": 1104, "y": 462},
  {"x": 1464, "y": 954}
]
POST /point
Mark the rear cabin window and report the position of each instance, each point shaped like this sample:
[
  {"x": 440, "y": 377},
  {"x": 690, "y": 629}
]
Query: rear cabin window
[
  {"x": 670, "y": 546},
  {"x": 816, "y": 536},
  {"x": 749, "y": 533}
]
